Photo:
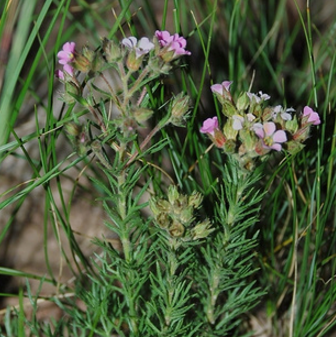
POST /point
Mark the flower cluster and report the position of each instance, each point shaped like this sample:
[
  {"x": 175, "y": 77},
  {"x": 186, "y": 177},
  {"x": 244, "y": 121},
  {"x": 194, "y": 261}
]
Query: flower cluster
[
  {"x": 252, "y": 130},
  {"x": 176, "y": 215},
  {"x": 135, "y": 62}
]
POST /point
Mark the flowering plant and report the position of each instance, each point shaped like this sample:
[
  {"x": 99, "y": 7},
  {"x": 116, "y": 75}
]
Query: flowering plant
[{"x": 252, "y": 130}]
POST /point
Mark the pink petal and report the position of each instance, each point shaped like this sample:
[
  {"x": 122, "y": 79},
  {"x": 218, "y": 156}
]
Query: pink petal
[
  {"x": 226, "y": 85},
  {"x": 258, "y": 129},
  {"x": 276, "y": 147},
  {"x": 59, "y": 74},
  {"x": 280, "y": 136},
  {"x": 269, "y": 128},
  {"x": 209, "y": 125},
  {"x": 69, "y": 47},
  {"x": 217, "y": 88},
  {"x": 307, "y": 111},
  {"x": 68, "y": 69}
]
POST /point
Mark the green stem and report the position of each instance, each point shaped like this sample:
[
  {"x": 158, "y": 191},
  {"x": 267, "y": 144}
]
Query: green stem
[{"x": 127, "y": 247}]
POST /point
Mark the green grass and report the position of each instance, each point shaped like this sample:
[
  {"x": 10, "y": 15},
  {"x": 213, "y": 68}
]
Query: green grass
[{"x": 286, "y": 53}]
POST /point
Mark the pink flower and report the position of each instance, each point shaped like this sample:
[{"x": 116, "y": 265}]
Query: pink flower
[
  {"x": 313, "y": 117},
  {"x": 67, "y": 55},
  {"x": 209, "y": 126},
  {"x": 67, "y": 68},
  {"x": 271, "y": 138},
  {"x": 221, "y": 88},
  {"x": 141, "y": 47},
  {"x": 174, "y": 42}
]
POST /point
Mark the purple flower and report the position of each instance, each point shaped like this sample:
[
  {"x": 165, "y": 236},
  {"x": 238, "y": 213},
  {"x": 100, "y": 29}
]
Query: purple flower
[
  {"x": 175, "y": 43},
  {"x": 221, "y": 88},
  {"x": 209, "y": 126},
  {"x": 67, "y": 54},
  {"x": 271, "y": 138},
  {"x": 67, "y": 68},
  {"x": 313, "y": 117},
  {"x": 141, "y": 47}
]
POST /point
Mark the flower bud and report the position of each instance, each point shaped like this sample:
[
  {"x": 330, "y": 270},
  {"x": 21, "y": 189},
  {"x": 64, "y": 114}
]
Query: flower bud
[
  {"x": 202, "y": 230},
  {"x": 267, "y": 114},
  {"x": 243, "y": 102},
  {"x": 228, "y": 109},
  {"x": 292, "y": 125},
  {"x": 173, "y": 194},
  {"x": 98, "y": 63},
  {"x": 248, "y": 139},
  {"x": 142, "y": 114},
  {"x": 229, "y": 131},
  {"x": 163, "y": 220},
  {"x": 186, "y": 215},
  {"x": 302, "y": 134},
  {"x": 133, "y": 62},
  {"x": 230, "y": 146},
  {"x": 294, "y": 147},
  {"x": 180, "y": 107},
  {"x": 71, "y": 88},
  {"x": 158, "y": 66},
  {"x": 176, "y": 230},
  {"x": 158, "y": 206},
  {"x": 72, "y": 129},
  {"x": 88, "y": 53},
  {"x": 112, "y": 51},
  {"x": 195, "y": 199},
  {"x": 81, "y": 63}
]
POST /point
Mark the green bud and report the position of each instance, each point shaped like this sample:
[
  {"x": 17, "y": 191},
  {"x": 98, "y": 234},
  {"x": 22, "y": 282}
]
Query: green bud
[
  {"x": 142, "y": 114},
  {"x": 230, "y": 146},
  {"x": 292, "y": 125},
  {"x": 228, "y": 108},
  {"x": 202, "y": 230},
  {"x": 256, "y": 110},
  {"x": 267, "y": 114},
  {"x": 173, "y": 194},
  {"x": 72, "y": 93},
  {"x": 176, "y": 230},
  {"x": 72, "y": 129},
  {"x": 302, "y": 134},
  {"x": 248, "y": 139},
  {"x": 158, "y": 206},
  {"x": 88, "y": 53},
  {"x": 167, "y": 55},
  {"x": 111, "y": 51},
  {"x": 158, "y": 66},
  {"x": 180, "y": 107},
  {"x": 163, "y": 220},
  {"x": 195, "y": 199},
  {"x": 186, "y": 215},
  {"x": 229, "y": 131},
  {"x": 81, "y": 63},
  {"x": 133, "y": 62},
  {"x": 98, "y": 63},
  {"x": 294, "y": 147},
  {"x": 243, "y": 102}
]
